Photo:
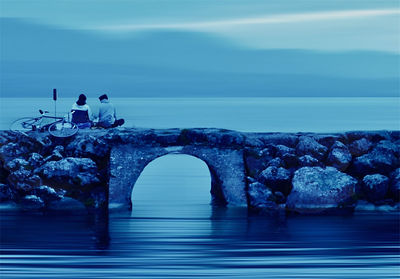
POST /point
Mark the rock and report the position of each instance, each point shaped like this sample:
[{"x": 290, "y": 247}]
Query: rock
[
  {"x": 260, "y": 196},
  {"x": 394, "y": 189},
  {"x": 316, "y": 189},
  {"x": 5, "y": 193},
  {"x": 23, "y": 181},
  {"x": 372, "y": 136},
  {"x": 328, "y": 140},
  {"x": 360, "y": 147},
  {"x": 290, "y": 160},
  {"x": 309, "y": 146},
  {"x": 46, "y": 193},
  {"x": 339, "y": 156},
  {"x": 11, "y": 151},
  {"x": 276, "y": 162},
  {"x": 18, "y": 164},
  {"x": 382, "y": 159},
  {"x": 67, "y": 204},
  {"x": 282, "y": 150},
  {"x": 375, "y": 186},
  {"x": 80, "y": 171},
  {"x": 55, "y": 155},
  {"x": 364, "y": 206},
  {"x": 279, "y": 197},
  {"x": 250, "y": 179},
  {"x": 31, "y": 202},
  {"x": 308, "y": 161},
  {"x": 279, "y": 139},
  {"x": 256, "y": 160},
  {"x": 35, "y": 160},
  {"x": 277, "y": 179}
]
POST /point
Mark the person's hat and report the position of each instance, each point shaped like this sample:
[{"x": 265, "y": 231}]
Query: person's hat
[
  {"x": 81, "y": 100},
  {"x": 102, "y": 97}
]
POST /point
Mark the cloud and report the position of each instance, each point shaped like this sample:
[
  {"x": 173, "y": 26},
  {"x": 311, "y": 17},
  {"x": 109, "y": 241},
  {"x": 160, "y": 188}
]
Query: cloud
[{"x": 269, "y": 19}]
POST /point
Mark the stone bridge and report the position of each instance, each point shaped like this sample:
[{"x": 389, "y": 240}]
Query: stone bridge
[
  {"x": 292, "y": 171},
  {"x": 225, "y": 164}
]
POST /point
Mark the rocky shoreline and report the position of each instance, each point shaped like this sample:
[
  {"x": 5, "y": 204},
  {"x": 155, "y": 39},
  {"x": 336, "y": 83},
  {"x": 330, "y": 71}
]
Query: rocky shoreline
[{"x": 295, "y": 172}]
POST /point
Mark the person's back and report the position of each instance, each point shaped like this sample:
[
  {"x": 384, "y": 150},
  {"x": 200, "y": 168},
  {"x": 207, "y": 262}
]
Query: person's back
[
  {"x": 81, "y": 113},
  {"x": 107, "y": 114}
]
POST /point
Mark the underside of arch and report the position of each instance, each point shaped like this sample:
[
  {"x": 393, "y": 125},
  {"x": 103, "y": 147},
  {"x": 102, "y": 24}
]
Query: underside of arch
[{"x": 226, "y": 170}]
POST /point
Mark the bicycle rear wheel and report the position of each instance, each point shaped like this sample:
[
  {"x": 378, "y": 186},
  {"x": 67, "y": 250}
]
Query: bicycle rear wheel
[
  {"x": 24, "y": 124},
  {"x": 63, "y": 129}
]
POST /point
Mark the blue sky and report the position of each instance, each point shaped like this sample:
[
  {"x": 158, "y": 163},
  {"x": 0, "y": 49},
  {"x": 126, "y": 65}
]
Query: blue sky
[{"x": 368, "y": 29}]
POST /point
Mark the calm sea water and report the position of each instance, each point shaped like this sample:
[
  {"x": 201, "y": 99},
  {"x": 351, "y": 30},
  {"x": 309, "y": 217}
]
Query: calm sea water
[
  {"x": 243, "y": 114},
  {"x": 173, "y": 232}
]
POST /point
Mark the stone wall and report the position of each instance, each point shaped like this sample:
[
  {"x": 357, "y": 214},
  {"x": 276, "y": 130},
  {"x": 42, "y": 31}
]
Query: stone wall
[{"x": 301, "y": 172}]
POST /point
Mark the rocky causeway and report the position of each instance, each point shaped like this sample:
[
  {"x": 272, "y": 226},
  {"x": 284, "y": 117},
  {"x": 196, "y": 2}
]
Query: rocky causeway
[{"x": 306, "y": 173}]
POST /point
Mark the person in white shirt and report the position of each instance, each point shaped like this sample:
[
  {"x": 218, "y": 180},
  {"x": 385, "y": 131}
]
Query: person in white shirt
[
  {"x": 81, "y": 113},
  {"x": 107, "y": 114}
]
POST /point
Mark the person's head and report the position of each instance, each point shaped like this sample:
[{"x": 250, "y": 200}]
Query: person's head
[
  {"x": 81, "y": 100},
  {"x": 103, "y": 97}
]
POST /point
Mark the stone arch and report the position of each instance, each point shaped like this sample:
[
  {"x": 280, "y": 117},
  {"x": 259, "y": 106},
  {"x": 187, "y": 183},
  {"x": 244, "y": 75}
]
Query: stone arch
[{"x": 225, "y": 165}]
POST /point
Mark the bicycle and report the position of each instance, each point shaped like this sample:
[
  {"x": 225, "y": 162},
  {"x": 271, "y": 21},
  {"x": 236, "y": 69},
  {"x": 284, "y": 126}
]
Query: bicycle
[{"x": 58, "y": 126}]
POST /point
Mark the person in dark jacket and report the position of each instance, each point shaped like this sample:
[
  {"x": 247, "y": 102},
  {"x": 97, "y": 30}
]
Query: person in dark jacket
[
  {"x": 81, "y": 113},
  {"x": 107, "y": 114}
]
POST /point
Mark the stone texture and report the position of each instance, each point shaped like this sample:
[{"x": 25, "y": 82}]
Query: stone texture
[
  {"x": 360, "y": 147},
  {"x": 260, "y": 196},
  {"x": 395, "y": 184},
  {"x": 382, "y": 159},
  {"x": 308, "y": 161},
  {"x": 339, "y": 156},
  {"x": 309, "y": 146},
  {"x": 375, "y": 186},
  {"x": 277, "y": 179},
  {"x": 18, "y": 164},
  {"x": 32, "y": 202},
  {"x": 67, "y": 204},
  {"x": 47, "y": 194},
  {"x": 77, "y": 171},
  {"x": 316, "y": 189},
  {"x": 5, "y": 193}
]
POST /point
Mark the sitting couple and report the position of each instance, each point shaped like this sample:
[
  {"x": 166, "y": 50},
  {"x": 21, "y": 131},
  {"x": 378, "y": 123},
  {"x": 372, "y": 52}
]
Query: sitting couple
[{"x": 83, "y": 117}]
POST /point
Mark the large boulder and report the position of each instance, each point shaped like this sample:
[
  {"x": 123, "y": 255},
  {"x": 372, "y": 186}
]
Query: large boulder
[
  {"x": 339, "y": 156},
  {"x": 309, "y": 146},
  {"x": 277, "y": 179},
  {"x": 260, "y": 196},
  {"x": 375, "y": 187},
  {"x": 360, "y": 147},
  {"x": 74, "y": 171},
  {"x": 317, "y": 189},
  {"x": 382, "y": 159},
  {"x": 395, "y": 184}
]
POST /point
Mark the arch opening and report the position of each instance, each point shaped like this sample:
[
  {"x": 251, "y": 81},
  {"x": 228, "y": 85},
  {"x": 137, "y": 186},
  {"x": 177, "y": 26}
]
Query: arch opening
[{"x": 173, "y": 182}]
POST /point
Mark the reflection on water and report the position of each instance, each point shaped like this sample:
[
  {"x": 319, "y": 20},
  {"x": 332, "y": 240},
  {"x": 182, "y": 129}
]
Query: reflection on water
[
  {"x": 175, "y": 233},
  {"x": 226, "y": 244}
]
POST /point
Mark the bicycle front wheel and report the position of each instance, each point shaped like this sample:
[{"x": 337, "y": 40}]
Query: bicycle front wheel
[
  {"x": 63, "y": 129},
  {"x": 24, "y": 124}
]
